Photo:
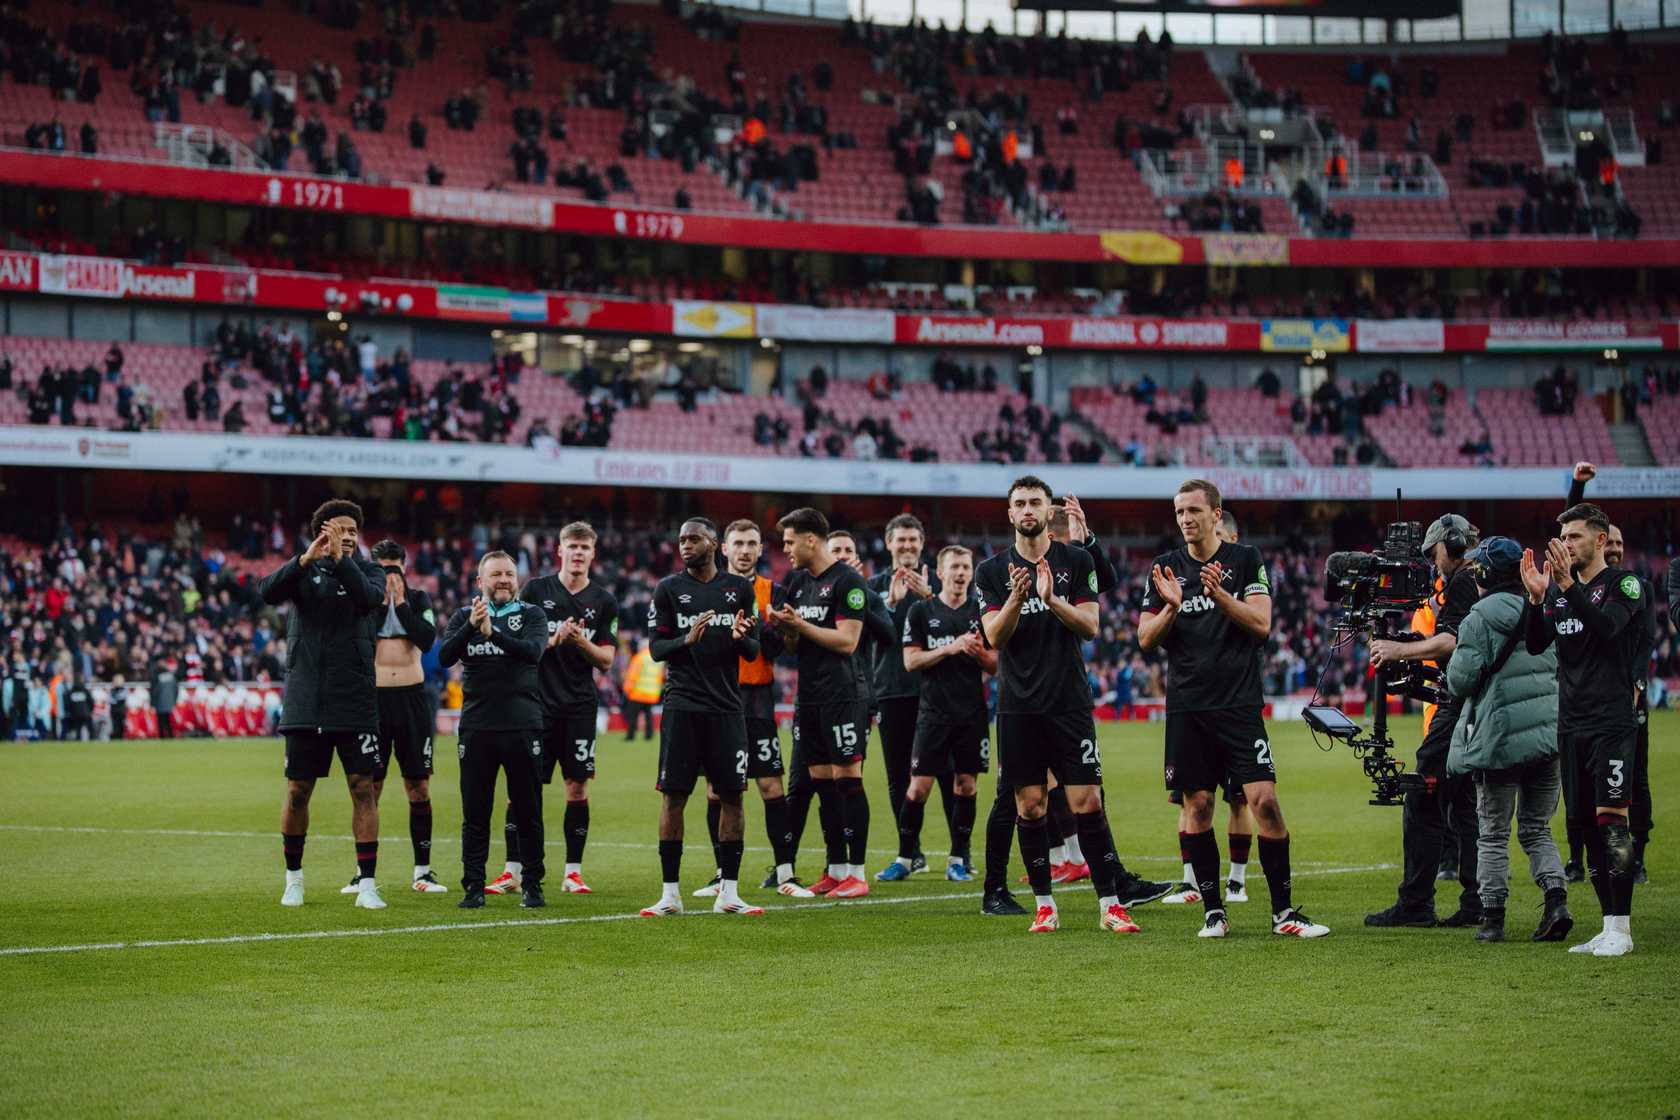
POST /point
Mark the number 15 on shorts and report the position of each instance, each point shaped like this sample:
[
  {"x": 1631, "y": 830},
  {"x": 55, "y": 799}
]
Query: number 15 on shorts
[{"x": 845, "y": 738}]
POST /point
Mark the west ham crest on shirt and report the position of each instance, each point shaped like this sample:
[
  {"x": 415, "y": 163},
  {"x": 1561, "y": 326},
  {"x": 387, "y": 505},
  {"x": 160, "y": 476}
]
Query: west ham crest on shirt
[
  {"x": 729, "y": 596},
  {"x": 824, "y": 592},
  {"x": 515, "y": 621}
]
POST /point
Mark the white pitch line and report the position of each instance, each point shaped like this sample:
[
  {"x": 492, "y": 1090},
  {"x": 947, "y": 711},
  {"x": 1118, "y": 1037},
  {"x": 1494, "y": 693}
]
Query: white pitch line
[
  {"x": 506, "y": 923},
  {"x": 193, "y": 833}
]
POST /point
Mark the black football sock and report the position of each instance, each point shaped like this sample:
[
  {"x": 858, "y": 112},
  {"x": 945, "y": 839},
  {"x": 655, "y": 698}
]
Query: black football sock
[
  {"x": 1203, "y": 851},
  {"x": 1239, "y": 842},
  {"x": 1062, "y": 824},
  {"x": 510, "y": 835},
  {"x": 910, "y": 828},
  {"x": 1098, "y": 846},
  {"x": 1274, "y": 861},
  {"x": 729, "y": 859},
  {"x": 947, "y": 783},
  {"x": 714, "y": 811},
  {"x": 854, "y": 808},
  {"x": 420, "y": 831},
  {"x": 778, "y": 829},
  {"x": 828, "y": 816},
  {"x": 367, "y": 858},
  {"x": 1035, "y": 852},
  {"x": 1598, "y": 870},
  {"x": 1618, "y": 846},
  {"x": 291, "y": 846},
  {"x": 576, "y": 825},
  {"x": 962, "y": 827},
  {"x": 1000, "y": 836},
  {"x": 1577, "y": 839},
  {"x": 670, "y": 860},
  {"x": 799, "y": 811}
]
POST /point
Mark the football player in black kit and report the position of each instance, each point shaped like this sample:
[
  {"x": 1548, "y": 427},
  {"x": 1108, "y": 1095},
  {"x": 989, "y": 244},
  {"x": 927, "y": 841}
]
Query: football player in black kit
[
  {"x": 582, "y": 638},
  {"x": 1038, "y": 602},
  {"x": 499, "y": 642},
  {"x": 822, "y": 621},
  {"x": 1594, "y": 614},
  {"x": 943, "y": 646},
  {"x": 1209, "y": 604},
  {"x": 330, "y": 705},
  {"x": 702, "y": 621}
]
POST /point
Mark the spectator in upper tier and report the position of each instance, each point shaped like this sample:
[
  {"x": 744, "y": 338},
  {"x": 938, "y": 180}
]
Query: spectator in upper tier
[{"x": 416, "y": 132}]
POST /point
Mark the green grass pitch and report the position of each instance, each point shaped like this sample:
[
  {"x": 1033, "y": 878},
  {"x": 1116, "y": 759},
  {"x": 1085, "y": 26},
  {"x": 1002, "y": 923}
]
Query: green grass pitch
[{"x": 908, "y": 1003}]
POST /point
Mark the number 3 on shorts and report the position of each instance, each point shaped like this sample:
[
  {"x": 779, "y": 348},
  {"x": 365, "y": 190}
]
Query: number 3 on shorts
[
  {"x": 1615, "y": 771},
  {"x": 1262, "y": 753}
]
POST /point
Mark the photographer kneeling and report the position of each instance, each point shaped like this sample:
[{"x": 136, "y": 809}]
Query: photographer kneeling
[
  {"x": 1506, "y": 741},
  {"x": 1423, "y": 814}
]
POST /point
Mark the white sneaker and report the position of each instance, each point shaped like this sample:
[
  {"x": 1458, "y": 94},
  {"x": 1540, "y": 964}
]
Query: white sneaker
[
  {"x": 736, "y": 906},
  {"x": 793, "y": 888},
  {"x": 1214, "y": 925},
  {"x": 367, "y": 896},
  {"x": 428, "y": 884},
  {"x": 293, "y": 895},
  {"x": 573, "y": 884},
  {"x": 710, "y": 890},
  {"x": 662, "y": 909},
  {"x": 1591, "y": 945},
  {"x": 1614, "y": 943},
  {"x": 1293, "y": 923},
  {"x": 505, "y": 883},
  {"x": 1184, "y": 895},
  {"x": 351, "y": 887},
  {"x": 1236, "y": 892}
]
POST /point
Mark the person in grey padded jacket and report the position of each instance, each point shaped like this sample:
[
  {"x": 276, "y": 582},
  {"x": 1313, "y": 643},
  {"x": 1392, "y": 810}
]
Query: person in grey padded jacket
[{"x": 1506, "y": 739}]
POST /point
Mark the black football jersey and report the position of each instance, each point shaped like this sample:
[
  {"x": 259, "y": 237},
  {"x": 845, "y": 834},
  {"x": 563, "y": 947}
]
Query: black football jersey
[
  {"x": 500, "y": 689},
  {"x": 1041, "y": 669},
  {"x": 704, "y": 677},
  {"x": 826, "y": 677},
  {"x": 954, "y": 690},
  {"x": 1597, "y": 628},
  {"x": 568, "y": 678},
  {"x": 1212, "y": 663}
]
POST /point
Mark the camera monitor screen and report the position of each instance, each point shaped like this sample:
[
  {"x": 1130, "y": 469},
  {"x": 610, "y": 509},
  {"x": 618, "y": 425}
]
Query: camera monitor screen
[{"x": 1331, "y": 721}]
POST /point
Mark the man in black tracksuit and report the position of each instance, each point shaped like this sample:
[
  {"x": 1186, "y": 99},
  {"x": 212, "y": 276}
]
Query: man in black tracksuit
[
  {"x": 500, "y": 642},
  {"x": 330, "y": 705}
]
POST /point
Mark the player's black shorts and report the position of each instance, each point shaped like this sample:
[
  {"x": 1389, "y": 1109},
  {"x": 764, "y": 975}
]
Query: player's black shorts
[
  {"x": 1227, "y": 747},
  {"x": 568, "y": 743},
  {"x": 309, "y": 754},
  {"x": 764, "y": 749},
  {"x": 951, "y": 748},
  {"x": 405, "y": 731},
  {"x": 1599, "y": 768},
  {"x": 692, "y": 744},
  {"x": 832, "y": 734},
  {"x": 1062, "y": 743},
  {"x": 1234, "y": 795}
]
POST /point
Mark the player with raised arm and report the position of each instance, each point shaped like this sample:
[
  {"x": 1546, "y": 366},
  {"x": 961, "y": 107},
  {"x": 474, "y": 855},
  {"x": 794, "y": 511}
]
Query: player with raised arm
[
  {"x": 1213, "y": 637},
  {"x": 499, "y": 642},
  {"x": 822, "y": 621},
  {"x": 743, "y": 545},
  {"x": 406, "y": 723},
  {"x": 1038, "y": 602},
  {"x": 1593, "y": 612},
  {"x": 330, "y": 706},
  {"x": 582, "y": 640},
  {"x": 702, "y": 621},
  {"x": 944, "y": 647}
]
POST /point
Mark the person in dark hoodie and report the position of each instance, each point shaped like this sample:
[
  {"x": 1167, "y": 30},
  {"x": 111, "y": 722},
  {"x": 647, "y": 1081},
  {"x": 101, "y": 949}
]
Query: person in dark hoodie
[{"x": 330, "y": 705}]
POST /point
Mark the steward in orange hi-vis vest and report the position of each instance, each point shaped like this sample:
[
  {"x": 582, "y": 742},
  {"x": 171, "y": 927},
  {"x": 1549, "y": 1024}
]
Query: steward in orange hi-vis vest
[
  {"x": 1423, "y": 624},
  {"x": 758, "y": 670}
]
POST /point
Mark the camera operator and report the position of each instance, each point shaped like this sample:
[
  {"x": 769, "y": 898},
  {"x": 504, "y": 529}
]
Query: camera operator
[
  {"x": 1423, "y": 814},
  {"x": 1505, "y": 740}
]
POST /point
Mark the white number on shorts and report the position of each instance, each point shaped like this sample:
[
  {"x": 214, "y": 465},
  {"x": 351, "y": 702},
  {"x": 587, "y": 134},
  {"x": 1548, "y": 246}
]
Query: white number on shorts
[
  {"x": 1615, "y": 771},
  {"x": 585, "y": 749},
  {"x": 741, "y": 763},
  {"x": 1088, "y": 753},
  {"x": 370, "y": 743},
  {"x": 1262, "y": 752},
  {"x": 766, "y": 749},
  {"x": 426, "y": 752},
  {"x": 845, "y": 735}
]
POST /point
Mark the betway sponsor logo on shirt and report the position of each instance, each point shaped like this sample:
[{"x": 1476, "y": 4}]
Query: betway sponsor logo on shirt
[
  {"x": 687, "y": 621},
  {"x": 104, "y": 278},
  {"x": 978, "y": 332}
]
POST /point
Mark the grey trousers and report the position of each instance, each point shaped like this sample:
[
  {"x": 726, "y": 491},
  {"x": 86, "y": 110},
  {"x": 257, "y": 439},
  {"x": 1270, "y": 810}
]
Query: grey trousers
[{"x": 1530, "y": 793}]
